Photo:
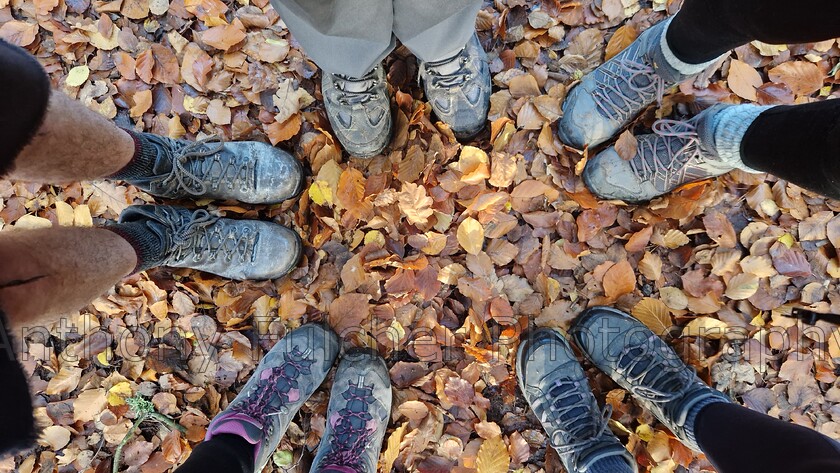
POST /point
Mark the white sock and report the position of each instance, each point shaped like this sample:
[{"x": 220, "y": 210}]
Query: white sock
[
  {"x": 681, "y": 66},
  {"x": 730, "y": 125}
]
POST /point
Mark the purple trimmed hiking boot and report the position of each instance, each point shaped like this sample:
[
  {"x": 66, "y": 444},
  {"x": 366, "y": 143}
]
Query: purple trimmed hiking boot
[
  {"x": 285, "y": 378},
  {"x": 360, "y": 405}
]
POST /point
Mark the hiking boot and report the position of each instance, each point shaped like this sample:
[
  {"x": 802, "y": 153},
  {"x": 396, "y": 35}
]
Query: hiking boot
[
  {"x": 610, "y": 97},
  {"x": 676, "y": 153},
  {"x": 357, "y": 417},
  {"x": 285, "y": 378},
  {"x": 643, "y": 364},
  {"x": 359, "y": 110},
  {"x": 458, "y": 88},
  {"x": 246, "y": 171},
  {"x": 556, "y": 388},
  {"x": 234, "y": 249}
]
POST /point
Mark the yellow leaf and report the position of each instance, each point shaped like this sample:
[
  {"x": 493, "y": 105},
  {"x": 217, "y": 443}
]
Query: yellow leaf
[
  {"x": 375, "y": 236},
  {"x": 81, "y": 216},
  {"x": 492, "y": 456},
  {"x": 654, "y": 314},
  {"x": 787, "y": 240},
  {"x": 436, "y": 242},
  {"x": 64, "y": 213},
  {"x": 705, "y": 327},
  {"x": 321, "y": 193},
  {"x": 742, "y": 286},
  {"x": 31, "y": 222},
  {"x": 389, "y": 456},
  {"x": 645, "y": 432},
  {"x": 118, "y": 393},
  {"x": 77, "y": 76},
  {"x": 473, "y": 165},
  {"x": 471, "y": 236},
  {"x": 675, "y": 239}
]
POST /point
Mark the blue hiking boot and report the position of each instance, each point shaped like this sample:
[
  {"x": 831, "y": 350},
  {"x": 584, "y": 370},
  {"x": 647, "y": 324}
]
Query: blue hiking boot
[
  {"x": 643, "y": 364},
  {"x": 556, "y": 388}
]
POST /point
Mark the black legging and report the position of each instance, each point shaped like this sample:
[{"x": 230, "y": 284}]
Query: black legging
[
  {"x": 706, "y": 29},
  {"x": 801, "y": 143},
  {"x": 738, "y": 440},
  {"x": 224, "y": 453}
]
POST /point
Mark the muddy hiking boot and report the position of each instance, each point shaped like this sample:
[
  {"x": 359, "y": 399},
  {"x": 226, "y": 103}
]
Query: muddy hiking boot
[
  {"x": 234, "y": 249},
  {"x": 357, "y": 416},
  {"x": 359, "y": 110},
  {"x": 285, "y": 378},
  {"x": 458, "y": 88},
  {"x": 676, "y": 153},
  {"x": 556, "y": 388},
  {"x": 643, "y": 364},
  {"x": 247, "y": 171},
  {"x": 611, "y": 96}
]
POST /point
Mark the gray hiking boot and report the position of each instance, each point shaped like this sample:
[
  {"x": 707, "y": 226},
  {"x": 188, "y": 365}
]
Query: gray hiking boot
[
  {"x": 359, "y": 110},
  {"x": 357, "y": 417},
  {"x": 676, "y": 153},
  {"x": 642, "y": 363},
  {"x": 246, "y": 171},
  {"x": 459, "y": 89},
  {"x": 235, "y": 249},
  {"x": 285, "y": 378},
  {"x": 556, "y": 388},
  {"x": 610, "y": 97}
]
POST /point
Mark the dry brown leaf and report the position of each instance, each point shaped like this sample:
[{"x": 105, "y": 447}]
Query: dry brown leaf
[
  {"x": 743, "y": 286},
  {"x": 622, "y": 38},
  {"x": 803, "y": 78},
  {"x": 415, "y": 204},
  {"x": 744, "y": 80},
  {"x": 654, "y": 314},
  {"x": 619, "y": 280},
  {"x": 19, "y": 33},
  {"x": 705, "y": 327},
  {"x": 627, "y": 145}
]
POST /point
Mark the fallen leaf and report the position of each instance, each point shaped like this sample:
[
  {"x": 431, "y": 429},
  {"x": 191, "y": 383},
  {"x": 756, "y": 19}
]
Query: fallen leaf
[
  {"x": 654, "y": 314},
  {"x": 744, "y": 80},
  {"x": 492, "y": 457},
  {"x": 471, "y": 236},
  {"x": 619, "y": 280}
]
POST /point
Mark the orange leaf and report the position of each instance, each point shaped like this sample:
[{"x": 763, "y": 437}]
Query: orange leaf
[
  {"x": 620, "y": 40},
  {"x": 619, "y": 280}
]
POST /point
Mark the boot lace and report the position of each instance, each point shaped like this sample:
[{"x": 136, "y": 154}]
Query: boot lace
[
  {"x": 627, "y": 86},
  {"x": 436, "y": 71},
  {"x": 196, "y": 175},
  {"x": 351, "y": 428},
  {"x": 666, "y": 158},
  {"x": 580, "y": 427},
  {"x": 366, "y": 84},
  {"x": 198, "y": 236},
  {"x": 277, "y": 387},
  {"x": 650, "y": 380}
]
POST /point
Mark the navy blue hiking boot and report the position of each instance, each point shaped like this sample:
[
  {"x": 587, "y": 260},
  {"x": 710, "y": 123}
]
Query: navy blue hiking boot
[
  {"x": 556, "y": 388},
  {"x": 643, "y": 364}
]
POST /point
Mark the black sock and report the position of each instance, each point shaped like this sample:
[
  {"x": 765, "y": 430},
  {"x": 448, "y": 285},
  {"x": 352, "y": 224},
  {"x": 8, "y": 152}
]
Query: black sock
[
  {"x": 148, "y": 244},
  {"x": 143, "y": 163}
]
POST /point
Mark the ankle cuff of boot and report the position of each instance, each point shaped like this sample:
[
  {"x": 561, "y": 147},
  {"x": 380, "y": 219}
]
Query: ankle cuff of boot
[
  {"x": 147, "y": 245},
  {"x": 693, "y": 411},
  {"x": 731, "y": 125},
  {"x": 143, "y": 163},
  {"x": 676, "y": 63},
  {"x": 240, "y": 425}
]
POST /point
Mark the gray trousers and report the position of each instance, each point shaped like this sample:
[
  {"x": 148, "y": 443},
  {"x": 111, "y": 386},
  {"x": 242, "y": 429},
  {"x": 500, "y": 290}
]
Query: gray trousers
[{"x": 351, "y": 36}]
